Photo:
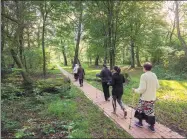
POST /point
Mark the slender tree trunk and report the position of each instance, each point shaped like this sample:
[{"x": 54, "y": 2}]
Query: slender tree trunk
[
  {"x": 138, "y": 57},
  {"x": 106, "y": 50},
  {"x": 38, "y": 37},
  {"x": 64, "y": 55},
  {"x": 18, "y": 62},
  {"x": 78, "y": 37},
  {"x": 21, "y": 44},
  {"x": 123, "y": 55},
  {"x": 43, "y": 49},
  {"x": 110, "y": 6},
  {"x": 90, "y": 61},
  {"x": 2, "y": 36},
  {"x": 25, "y": 61},
  {"x": 97, "y": 61},
  {"x": 182, "y": 41},
  {"x": 132, "y": 54}
]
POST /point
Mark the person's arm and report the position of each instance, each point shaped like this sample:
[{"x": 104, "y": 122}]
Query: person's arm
[
  {"x": 142, "y": 87},
  {"x": 101, "y": 74}
]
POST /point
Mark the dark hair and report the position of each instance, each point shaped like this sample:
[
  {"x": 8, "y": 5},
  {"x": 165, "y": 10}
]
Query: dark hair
[
  {"x": 147, "y": 66},
  {"x": 117, "y": 69},
  {"x": 104, "y": 65}
]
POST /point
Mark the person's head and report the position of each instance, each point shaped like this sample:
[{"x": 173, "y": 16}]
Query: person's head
[
  {"x": 80, "y": 66},
  {"x": 104, "y": 65},
  {"x": 117, "y": 69},
  {"x": 147, "y": 67}
]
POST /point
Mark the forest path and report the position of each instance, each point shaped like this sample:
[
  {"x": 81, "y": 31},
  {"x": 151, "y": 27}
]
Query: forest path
[{"x": 97, "y": 97}]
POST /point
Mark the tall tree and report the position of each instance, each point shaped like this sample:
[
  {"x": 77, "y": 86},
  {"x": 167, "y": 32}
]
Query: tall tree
[
  {"x": 182, "y": 41},
  {"x": 79, "y": 32}
]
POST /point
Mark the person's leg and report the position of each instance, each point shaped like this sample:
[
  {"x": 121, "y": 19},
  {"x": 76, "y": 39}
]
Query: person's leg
[
  {"x": 149, "y": 112},
  {"x": 114, "y": 103},
  {"x": 139, "y": 114},
  {"x": 104, "y": 90},
  {"x": 121, "y": 105},
  {"x": 107, "y": 91},
  {"x": 80, "y": 82},
  {"x": 120, "y": 102}
]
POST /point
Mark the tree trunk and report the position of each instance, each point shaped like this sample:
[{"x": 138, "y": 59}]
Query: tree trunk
[
  {"x": 21, "y": 44},
  {"x": 64, "y": 55},
  {"x": 138, "y": 57},
  {"x": 182, "y": 41},
  {"x": 123, "y": 55},
  {"x": 97, "y": 61},
  {"x": 43, "y": 47},
  {"x": 25, "y": 63},
  {"x": 132, "y": 54},
  {"x": 105, "y": 46},
  {"x": 18, "y": 62},
  {"x": 110, "y": 6},
  {"x": 38, "y": 37},
  {"x": 2, "y": 36},
  {"x": 90, "y": 61},
  {"x": 78, "y": 37}
]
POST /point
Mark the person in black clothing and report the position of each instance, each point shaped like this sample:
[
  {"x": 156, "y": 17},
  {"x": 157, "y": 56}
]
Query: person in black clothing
[
  {"x": 117, "y": 89},
  {"x": 105, "y": 76},
  {"x": 81, "y": 74}
]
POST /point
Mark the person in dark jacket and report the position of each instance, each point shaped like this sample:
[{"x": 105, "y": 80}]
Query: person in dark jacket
[
  {"x": 105, "y": 76},
  {"x": 117, "y": 88},
  {"x": 81, "y": 74}
]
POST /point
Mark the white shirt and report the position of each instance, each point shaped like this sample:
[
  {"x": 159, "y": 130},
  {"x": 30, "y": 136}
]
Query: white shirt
[{"x": 148, "y": 86}]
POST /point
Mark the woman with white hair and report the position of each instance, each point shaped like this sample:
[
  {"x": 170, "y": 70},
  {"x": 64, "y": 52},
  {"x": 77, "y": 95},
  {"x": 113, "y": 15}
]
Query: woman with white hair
[{"x": 75, "y": 71}]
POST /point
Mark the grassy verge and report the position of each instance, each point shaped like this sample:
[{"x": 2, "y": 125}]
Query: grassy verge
[
  {"x": 64, "y": 114},
  {"x": 171, "y": 106}
]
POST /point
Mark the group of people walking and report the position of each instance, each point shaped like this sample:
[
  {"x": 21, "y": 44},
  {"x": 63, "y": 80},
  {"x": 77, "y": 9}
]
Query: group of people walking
[{"x": 147, "y": 90}]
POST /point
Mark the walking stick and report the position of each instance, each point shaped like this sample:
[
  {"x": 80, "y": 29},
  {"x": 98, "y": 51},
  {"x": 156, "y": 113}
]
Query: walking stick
[
  {"x": 132, "y": 110},
  {"x": 96, "y": 86}
]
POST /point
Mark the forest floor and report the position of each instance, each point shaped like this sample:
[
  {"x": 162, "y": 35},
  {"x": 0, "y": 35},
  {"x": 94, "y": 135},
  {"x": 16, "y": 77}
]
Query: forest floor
[
  {"x": 66, "y": 113},
  {"x": 171, "y": 104}
]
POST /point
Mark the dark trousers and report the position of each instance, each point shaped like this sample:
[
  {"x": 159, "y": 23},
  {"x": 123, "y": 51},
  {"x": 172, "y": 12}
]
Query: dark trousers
[
  {"x": 106, "y": 90},
  {"x": 75, "y": 76},
  {"x": 81, "y": 81},
  {"x": 118, "y": 99},
  {"x": 141, "y": 116}
]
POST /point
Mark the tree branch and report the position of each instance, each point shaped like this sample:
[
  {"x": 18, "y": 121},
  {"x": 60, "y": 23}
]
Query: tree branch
[{"x": 10, "y": 18}]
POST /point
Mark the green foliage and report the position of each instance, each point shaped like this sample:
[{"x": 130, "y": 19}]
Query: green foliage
[
  {"x": 63, "y": 108},
  {"x": 8, "y": 124},
  {"x": 52, "y": 86},
  {"x": 10, "y": 91}
]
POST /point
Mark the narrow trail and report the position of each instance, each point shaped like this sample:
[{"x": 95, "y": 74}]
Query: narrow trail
[{"x": 97, "y": 97}]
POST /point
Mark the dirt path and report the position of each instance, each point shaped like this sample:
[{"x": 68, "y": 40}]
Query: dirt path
[{"x": 97, "y": 97}]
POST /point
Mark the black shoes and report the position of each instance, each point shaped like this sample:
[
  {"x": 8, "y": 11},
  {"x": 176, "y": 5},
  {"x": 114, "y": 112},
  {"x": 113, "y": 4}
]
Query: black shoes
[
  {"x": 151, "y": 128},
  {"x": 81, "y": 85},
  {"x": 138, "y": 124}
]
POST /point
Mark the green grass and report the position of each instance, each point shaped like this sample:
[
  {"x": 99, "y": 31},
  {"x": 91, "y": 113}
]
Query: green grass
[
  {"x": 88, "y": 120},
  {"x": 66, "y": 114},
  {"x": 171, "y": 106}
]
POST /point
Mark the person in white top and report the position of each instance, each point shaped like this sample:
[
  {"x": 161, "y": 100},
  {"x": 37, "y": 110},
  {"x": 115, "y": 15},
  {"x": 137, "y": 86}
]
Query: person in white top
[
  {"x": 147, "y": 90},
  {"x": 75, "y": 71}
]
